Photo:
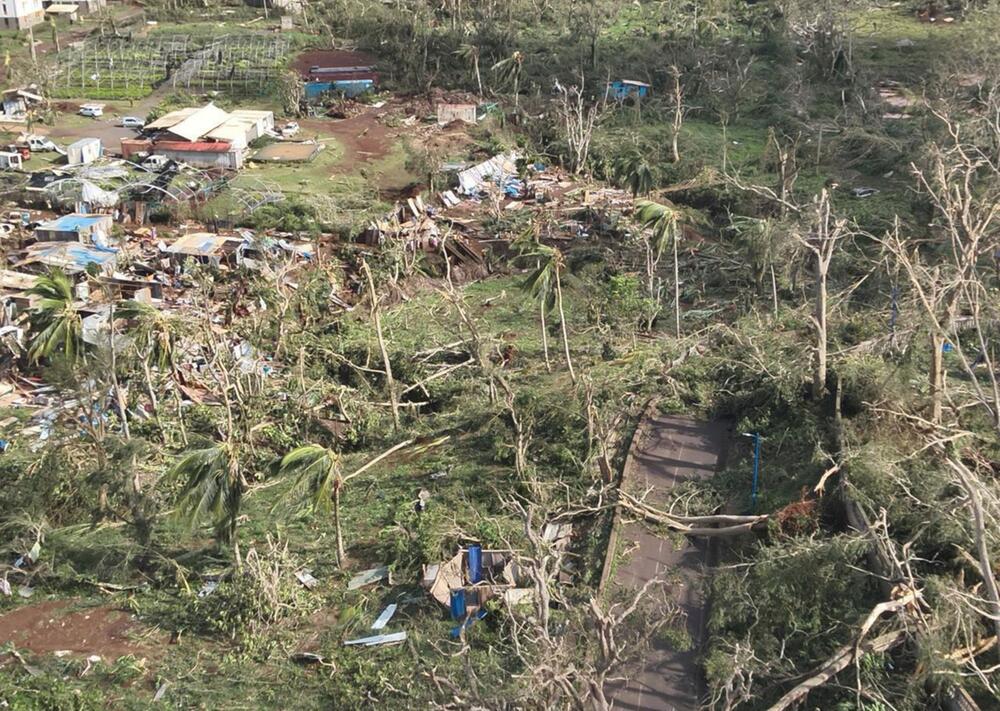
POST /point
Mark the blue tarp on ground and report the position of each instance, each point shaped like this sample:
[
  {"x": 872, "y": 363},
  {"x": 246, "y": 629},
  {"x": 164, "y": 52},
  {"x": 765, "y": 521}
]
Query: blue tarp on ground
[{"x": 350, "y": 87}]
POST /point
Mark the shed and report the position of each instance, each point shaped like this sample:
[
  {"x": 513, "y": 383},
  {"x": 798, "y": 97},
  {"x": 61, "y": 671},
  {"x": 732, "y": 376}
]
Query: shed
[
  {"x": 198, "y": 123},
  {"x": 622, "y": 89},
  {"x": 75, "y": 228},
  {"x": 446, "y": 113},
  {"x": 84, "y": 151},
  {"x": 69, "y": 10}
]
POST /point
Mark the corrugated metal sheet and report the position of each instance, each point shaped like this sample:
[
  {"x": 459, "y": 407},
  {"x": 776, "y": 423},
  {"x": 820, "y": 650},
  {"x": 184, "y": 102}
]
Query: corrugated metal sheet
[
  {"x": 199, "y": 123},
  {"x": 73, "y": 223},
  {"x": 171, "y": 119},
  {"x": 504, "y": 164},
  {"x": 192, "y": 147}
]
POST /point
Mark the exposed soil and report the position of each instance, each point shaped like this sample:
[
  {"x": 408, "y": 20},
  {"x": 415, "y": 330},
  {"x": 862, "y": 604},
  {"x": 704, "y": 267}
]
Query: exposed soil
[
  {"x": 362, "y": 137},
  {"x": 51, "y": 627}
]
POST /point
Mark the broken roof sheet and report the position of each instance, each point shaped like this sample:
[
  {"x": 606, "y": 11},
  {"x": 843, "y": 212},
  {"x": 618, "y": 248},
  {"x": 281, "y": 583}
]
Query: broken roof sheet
[
  {"x": 503, "y": 164},
  {"x": 70, "y": 255},
  {"x": 171, "y": 119},
  {"x": 201, "y": 244},
  {"x": 199, "y": 122},
  {"x": 232, "y": 129},
  {"x": 72, "y": 223}
]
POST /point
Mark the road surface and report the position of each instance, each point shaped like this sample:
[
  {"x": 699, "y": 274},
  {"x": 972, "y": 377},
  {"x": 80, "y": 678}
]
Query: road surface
[{"x": 669, "y": 450}]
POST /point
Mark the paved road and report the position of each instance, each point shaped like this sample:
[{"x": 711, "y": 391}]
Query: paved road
[{"x": 670, "y": 451}]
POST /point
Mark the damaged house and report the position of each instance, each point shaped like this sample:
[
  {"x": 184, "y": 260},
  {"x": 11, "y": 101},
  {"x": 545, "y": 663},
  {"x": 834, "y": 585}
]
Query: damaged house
[{"x": 206, "y": 137}]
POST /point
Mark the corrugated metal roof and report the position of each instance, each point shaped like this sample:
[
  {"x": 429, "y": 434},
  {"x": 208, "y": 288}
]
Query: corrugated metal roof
[
  {"x": 171, "y": 119},
  {"x": 85, "y": 142},
  {"x": 200, "y": 123},
  {"x": 201, "y": 243},
  {"x": 193, "y": 147},
  {"x": 70, "y": 254},
  {"x": 234, "y": 130},
  {"x": 71, "y": 223}
]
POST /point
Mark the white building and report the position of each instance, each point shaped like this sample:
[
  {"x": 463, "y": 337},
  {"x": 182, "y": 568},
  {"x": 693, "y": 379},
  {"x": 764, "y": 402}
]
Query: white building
[{"x": 20, "y": 14}]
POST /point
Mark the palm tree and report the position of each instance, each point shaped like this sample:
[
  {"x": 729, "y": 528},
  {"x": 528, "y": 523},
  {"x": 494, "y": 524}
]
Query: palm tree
[
  {"x": 317, "y": 471},
  {"x": 470, "y": 53},
  {"x": 213, "y": 488},
  {"x": 55, "y": 319},
  {"x": 634, "y": 171},
  {"x": 663, "y": 220},
  {"x": 154, "y": 335},
  {"x": 526, "y": 244},
  {"x": 545, "y": 282},
  {"x": 509, "y": 70}
]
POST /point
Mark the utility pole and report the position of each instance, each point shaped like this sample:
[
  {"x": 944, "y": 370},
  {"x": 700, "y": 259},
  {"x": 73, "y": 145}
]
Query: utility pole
[{"x": 756, "y": 468}]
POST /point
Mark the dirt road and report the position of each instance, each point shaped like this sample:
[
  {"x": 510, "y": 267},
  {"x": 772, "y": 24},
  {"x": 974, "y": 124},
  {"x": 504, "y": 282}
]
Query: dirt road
[{"x": 669, "y": 451}]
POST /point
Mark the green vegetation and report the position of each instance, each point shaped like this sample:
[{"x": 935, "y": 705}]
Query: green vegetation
[{"x": 794, "y": 232}]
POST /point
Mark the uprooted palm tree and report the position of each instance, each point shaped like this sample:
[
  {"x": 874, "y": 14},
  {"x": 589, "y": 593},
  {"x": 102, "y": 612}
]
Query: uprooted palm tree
[
  {"x": 318, "y": 473},
  {"x": 663, "y": 220},
  {"x": 55, "y": 320},
  {"x": 213, "y": 488}
]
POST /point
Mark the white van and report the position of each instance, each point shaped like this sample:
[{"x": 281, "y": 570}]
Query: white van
[{"x": 92, "y": 110}]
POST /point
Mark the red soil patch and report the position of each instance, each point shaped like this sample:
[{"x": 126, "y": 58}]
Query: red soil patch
[
  {"x": 50, "y": 627},
  {"x": 363, "y": 138}
]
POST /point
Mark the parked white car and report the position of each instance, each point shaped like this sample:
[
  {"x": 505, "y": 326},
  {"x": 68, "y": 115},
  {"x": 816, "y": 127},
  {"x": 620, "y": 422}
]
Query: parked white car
[
  {"x": 92, "y": 110},
  {"x": 38, "y": 144},
  {"x": 290, "y": 129},
  {"x": 132, "y": 122}
]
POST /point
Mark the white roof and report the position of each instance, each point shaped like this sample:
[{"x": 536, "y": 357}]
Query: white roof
[
  {"x": 199, "y": 123},
  {"x": 233, "y": 129},
  {"x": 171, "y": 119},
  {"x": 253, "y": 114},
  {"x": 85, "y": 142}
]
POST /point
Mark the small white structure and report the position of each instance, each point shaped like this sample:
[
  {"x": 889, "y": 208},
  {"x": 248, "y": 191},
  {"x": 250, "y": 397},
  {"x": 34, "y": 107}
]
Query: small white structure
[
  {"x": 10, "y": 160},
  {"x": 84, "y": 151}
]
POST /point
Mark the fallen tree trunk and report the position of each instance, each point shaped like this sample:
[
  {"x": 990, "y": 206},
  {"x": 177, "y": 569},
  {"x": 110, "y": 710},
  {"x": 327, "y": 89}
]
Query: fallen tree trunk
[
  {"x": 836, "y": 664},
  {"x": 694, "y": 525}
]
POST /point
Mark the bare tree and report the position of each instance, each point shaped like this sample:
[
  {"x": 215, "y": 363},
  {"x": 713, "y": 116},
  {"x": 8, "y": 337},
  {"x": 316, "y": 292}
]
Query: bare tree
[
  {"x": 827, "y": 231},
  {"x": 579, "y": 118}
]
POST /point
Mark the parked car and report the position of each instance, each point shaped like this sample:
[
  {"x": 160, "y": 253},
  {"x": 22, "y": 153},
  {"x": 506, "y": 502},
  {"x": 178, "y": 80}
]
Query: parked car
[
  {"x": 864, "y": 192},
  {"x": 132, "y": 122},
  {"x": 92, "y": 110},
  {"x": 290, "y": 129},
  {"x": 39, "y": 143}
]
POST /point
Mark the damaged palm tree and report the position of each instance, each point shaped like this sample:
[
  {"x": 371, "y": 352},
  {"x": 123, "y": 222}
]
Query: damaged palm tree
[{"x": 317, "y": 471}]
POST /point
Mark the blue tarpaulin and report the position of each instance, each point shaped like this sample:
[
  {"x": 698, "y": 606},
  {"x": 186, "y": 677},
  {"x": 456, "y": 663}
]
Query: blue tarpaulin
[{"x": 350, "y": 87}]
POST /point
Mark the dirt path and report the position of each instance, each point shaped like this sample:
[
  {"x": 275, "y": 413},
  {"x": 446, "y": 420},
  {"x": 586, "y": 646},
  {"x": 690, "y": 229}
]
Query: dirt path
[{"x": 669, "y": 451}]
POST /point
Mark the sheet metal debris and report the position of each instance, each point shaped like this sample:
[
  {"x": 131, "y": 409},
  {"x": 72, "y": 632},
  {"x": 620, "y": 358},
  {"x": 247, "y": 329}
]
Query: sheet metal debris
[
  {"x": 377, "y": 640},
  {"x": 368, "y": 577},
  {"x": 384, "y": 618}
]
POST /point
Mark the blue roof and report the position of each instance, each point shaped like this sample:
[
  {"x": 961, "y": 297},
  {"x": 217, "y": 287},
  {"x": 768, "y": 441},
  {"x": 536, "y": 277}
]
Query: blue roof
[
  {"x": 79, "y": 255},
  {"x": 72, "y": 223}
]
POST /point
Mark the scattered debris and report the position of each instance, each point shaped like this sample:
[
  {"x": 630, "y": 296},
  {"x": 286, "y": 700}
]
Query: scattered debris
[
  {"x": 368, "y": 577},
  {"x": 377, "y": 640},
  {"x": 305, "y": 577},
  {"x": 384, "y": 618}
]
